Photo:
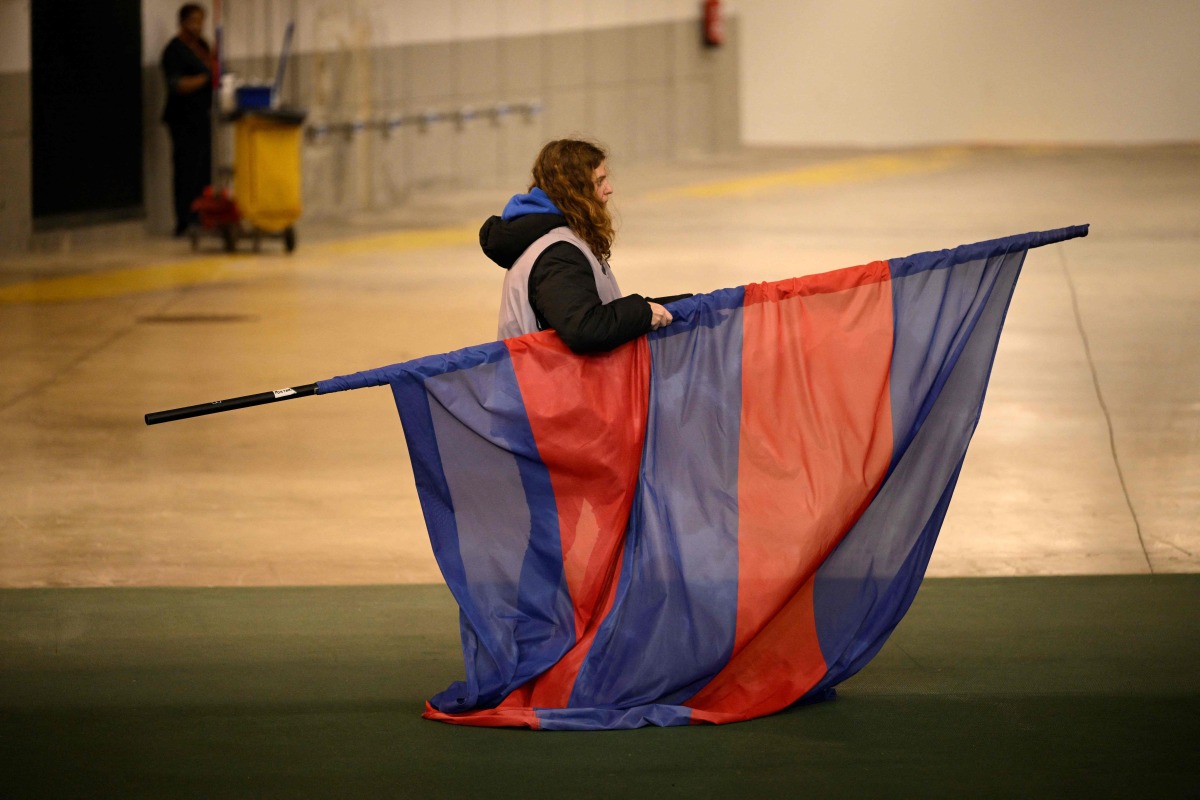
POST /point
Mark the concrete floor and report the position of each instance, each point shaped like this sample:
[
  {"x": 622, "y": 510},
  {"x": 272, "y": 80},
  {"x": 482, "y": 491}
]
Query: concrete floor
[{"x": 1086, "y": 461}]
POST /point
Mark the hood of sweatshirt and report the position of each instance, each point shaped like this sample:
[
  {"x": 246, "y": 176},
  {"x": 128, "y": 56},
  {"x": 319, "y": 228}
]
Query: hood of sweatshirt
[{"x": 525, "y": 219}]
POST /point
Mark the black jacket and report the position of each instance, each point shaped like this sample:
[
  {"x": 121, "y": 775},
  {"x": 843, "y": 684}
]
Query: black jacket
[
  {"x": 180, "y": 61},
  {"x": 562, "y": 288}
]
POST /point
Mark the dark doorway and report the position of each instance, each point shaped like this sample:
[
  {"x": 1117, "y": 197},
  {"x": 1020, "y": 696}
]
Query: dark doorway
[{"x": 87, "y": 111}]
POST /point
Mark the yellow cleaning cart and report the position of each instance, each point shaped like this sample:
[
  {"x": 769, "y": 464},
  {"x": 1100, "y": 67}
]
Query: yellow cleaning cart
[
  {"x": 265, "y": 201},
  {"x": 266, "y": 173}
]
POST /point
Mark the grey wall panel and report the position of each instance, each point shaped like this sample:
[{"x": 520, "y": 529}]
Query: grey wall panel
[
  {"x": 568, "y": 111},
  {"x": 615, "y": 118},
  {"x": 691, "y": 58},
  {"x": 16, "y": 208},
  {"x": 429, "y": 71},
  {"x": 389, "y": 178},
  {"x": 567, "y": 60},
  {"x": 652, "y": 52},
  {"x": 725, "y": 81},
  {"x": 653, "y": 134},
  {"x": 301, "y": 84},
  {"x": 433, "y": 157},
  {"x": 610, "y": 59},
  {"x": 16, "y": 189},
  {"x": 649, "y": 92},
  {"x": 392, "y": 89},
  {"x": 522, "y": 61},
  {"x": 156, "y": 154},
  {"x": 479, "y": 150},
  {"x": 319, "y": 181},
  {"x": 14, "y": 99},
  {"x": 478, "y": 68},
  {"x": 693, "y": 117},
  {"x": 520, "y": 140}
]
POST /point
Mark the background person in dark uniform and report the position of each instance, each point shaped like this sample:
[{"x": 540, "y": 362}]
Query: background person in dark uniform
[{"x": 187, "y": 65}]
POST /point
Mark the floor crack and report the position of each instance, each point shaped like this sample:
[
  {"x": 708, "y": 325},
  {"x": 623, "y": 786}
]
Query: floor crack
[
  {"x": 100, "y": 347},
  {"x": 1112, "y": 440}
]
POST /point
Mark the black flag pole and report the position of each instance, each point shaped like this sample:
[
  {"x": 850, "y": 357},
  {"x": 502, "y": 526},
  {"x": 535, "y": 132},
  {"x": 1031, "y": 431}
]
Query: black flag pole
[
  {"x": 217, "y": 406},
  {"x": 378, "y": 377}
]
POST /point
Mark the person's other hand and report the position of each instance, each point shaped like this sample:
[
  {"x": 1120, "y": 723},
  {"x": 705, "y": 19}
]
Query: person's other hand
[{"x": 659, "y": 317}]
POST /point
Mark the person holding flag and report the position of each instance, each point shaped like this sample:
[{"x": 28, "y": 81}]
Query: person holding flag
[
  {"x": 729, "y": 508},
  {"x": 555, "y": 242},
  {"x": 713, "y": 521}
]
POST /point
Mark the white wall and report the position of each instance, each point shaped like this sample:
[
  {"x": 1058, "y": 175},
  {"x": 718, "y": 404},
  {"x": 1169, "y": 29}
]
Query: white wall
[{"x": 910, "y": 72}]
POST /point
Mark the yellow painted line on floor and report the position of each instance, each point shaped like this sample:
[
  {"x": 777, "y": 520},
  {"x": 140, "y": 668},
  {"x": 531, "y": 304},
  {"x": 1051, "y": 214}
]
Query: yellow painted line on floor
[
  {"x": 233, "y": 267},
  {"x": 850, "y": 170},
  {"x": 129, "y": 280},
  {"x": 244, "y": 267}
]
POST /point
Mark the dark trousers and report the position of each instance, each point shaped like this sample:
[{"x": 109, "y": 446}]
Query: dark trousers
[{"x": 191, "y": 161}]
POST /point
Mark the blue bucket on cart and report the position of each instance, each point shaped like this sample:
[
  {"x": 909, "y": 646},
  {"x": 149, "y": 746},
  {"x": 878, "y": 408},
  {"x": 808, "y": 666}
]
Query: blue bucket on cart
[{"x": 252, "y": 97}]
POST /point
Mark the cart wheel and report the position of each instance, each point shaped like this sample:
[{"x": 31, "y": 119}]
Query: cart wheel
[
  {"x": 227, "y": 233},
  {"x": 289, "y": 239}
]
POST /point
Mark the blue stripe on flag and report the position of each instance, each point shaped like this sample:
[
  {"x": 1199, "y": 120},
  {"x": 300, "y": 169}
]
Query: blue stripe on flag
[
  {"x": 673, "y": 621},
  {"x": 492, "y": 519},
  {"x": 594, "y": 719},
  {"x": 948, "y": 315}
]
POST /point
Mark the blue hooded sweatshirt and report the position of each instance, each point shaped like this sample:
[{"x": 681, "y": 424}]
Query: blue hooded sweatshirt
[{"x": 535, "y": 202}]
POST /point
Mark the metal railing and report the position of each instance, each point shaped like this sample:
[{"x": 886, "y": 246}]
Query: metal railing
[{"x": 423, "y": 121}]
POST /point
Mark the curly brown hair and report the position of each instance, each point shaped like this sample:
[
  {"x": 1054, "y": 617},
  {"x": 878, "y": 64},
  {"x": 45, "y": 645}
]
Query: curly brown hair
[{"x": 563, "y": 170}]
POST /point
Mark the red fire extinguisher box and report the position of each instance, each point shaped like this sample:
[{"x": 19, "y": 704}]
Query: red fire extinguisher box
[{"x": 714, "y": 26}]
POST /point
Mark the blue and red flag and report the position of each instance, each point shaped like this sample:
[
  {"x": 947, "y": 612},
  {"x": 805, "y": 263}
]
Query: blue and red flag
[{"x": 712, "y": 522}]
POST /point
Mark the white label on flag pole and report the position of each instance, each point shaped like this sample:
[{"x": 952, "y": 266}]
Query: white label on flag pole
[{"x": 281, "y": 393}]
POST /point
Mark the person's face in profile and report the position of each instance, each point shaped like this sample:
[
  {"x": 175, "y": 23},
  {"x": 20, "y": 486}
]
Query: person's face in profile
[{"x": 600, "y": 180}]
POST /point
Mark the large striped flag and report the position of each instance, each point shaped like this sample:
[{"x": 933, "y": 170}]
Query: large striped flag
[{"x": 714, "y": 521}]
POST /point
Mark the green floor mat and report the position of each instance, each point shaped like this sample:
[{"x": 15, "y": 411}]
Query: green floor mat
[{"x": 1021, "y": 687}]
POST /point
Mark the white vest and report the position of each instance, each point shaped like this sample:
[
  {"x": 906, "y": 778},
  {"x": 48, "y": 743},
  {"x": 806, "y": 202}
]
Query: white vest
[{"x": 516, "y": 315}]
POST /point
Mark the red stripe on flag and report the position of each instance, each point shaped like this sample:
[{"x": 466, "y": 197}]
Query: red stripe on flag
[
  {"x": 771, "y": 672},
  {"x": 815, "y": 443},
  {"x": 590, "y": 425},
  {"x": 488, "y": 718}
]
